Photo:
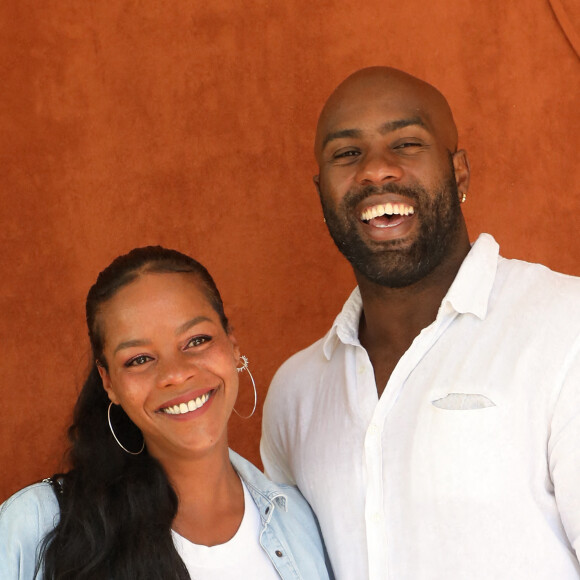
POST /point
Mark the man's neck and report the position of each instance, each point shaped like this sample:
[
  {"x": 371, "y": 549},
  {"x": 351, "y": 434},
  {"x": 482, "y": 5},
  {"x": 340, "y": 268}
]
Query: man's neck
[{"x": 393, "y": 317}]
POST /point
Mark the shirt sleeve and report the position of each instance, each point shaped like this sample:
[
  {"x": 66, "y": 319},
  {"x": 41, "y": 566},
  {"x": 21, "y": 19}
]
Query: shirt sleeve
[
  {"x": 272, "y": 449},
  {"x": 564, "y": 449},
  {"x": 25, "y": 519}
]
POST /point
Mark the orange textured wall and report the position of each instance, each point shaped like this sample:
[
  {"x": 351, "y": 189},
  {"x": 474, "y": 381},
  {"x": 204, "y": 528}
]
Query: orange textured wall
[{"x": 190, "y": 124}]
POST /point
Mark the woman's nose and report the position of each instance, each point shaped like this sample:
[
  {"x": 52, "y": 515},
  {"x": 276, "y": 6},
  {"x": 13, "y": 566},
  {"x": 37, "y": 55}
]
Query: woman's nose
[{"x": 175, "y": 370}]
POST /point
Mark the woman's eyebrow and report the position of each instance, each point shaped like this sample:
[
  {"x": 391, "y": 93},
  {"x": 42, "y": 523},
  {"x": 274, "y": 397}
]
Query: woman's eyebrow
[
  {"x": 187, "y": 325},
  {"x": 144, "y": 342},
  {"x": 130, "y": 343}
]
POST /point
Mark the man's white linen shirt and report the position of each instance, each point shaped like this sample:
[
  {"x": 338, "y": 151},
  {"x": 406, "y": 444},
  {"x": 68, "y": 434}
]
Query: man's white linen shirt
[{"x": 468, "y": 466}]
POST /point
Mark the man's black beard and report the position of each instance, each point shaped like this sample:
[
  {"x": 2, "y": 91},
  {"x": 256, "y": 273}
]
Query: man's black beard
[{"x": 385, "y": 263}]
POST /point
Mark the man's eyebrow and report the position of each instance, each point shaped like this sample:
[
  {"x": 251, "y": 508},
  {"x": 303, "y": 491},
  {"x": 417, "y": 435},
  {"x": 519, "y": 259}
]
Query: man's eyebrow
[
  {"x": 387, "y": 127},
  {"x": 401, "y": 124},
  {"x": 341, "y": 135},
  {"x": 143, "y": 342}
]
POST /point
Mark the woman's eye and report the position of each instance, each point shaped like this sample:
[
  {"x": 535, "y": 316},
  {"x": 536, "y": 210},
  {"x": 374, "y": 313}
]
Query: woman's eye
[
  {"x": 197, "y": 341},
  {"x": 138, "y": 361}
]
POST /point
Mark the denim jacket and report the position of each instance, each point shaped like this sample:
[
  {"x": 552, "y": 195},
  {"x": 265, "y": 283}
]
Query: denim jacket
[{"x": 290, "y": 534}]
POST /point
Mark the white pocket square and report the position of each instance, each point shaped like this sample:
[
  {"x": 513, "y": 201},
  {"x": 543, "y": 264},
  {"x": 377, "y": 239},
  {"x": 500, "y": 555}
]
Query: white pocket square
[{"x": 463, "y": 402}]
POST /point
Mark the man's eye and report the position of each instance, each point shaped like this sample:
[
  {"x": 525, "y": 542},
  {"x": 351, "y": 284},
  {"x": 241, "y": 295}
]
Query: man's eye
[
  {"x": 408, "y": 144},
  {"x": 138, "y": 361},
  {"x": 348, "y": 153}
]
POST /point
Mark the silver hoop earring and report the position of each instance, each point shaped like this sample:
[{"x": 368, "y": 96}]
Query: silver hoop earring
[
  {"x": 245, "y": 367},
  {"x": 117, "y": 440}
]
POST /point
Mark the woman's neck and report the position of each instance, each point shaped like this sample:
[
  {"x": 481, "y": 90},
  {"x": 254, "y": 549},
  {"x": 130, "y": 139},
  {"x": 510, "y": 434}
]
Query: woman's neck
[{"x": 210, "y": 495}]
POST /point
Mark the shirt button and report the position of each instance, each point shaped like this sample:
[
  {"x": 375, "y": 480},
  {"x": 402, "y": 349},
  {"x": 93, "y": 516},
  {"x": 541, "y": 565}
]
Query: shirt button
[
  {"x": 279, "y": 554},
  {"x": 374, "y": 430},
  {"x": 377, "y": 518}
]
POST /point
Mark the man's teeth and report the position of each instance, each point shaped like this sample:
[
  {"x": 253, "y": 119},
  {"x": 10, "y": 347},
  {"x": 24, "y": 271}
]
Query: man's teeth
[
  {"x": 187, "y": 407},
  {"x": 387, "y": 209}
]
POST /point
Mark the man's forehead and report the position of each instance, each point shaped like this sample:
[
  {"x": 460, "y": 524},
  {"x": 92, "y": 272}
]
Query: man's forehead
[
  {"x": 369, "y": 117},
  {"x": 388, "y": 97},
  {"x": 357, "y": 128}
]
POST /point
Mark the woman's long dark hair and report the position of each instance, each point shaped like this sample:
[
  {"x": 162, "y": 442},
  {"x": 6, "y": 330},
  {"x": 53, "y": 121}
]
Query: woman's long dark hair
[{"x": 116, "y": 509}]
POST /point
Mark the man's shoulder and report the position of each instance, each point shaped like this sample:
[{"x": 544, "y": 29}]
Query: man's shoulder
[
  {"x": 305, "y": 362},
  {"x": 297, "y": 377},
  {"x": 539, "y": 302},
  {"x": 537, "y": 269},
  {"x": 310, "y": 360},
  {"x": 530, "y": 277}
]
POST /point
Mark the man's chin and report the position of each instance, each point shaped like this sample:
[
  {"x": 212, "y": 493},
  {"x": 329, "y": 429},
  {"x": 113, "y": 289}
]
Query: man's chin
[{"x": 397, "y": 264}]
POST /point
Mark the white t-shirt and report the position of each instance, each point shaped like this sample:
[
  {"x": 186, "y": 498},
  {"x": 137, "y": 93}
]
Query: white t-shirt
[{"x": 240, "y": 557}]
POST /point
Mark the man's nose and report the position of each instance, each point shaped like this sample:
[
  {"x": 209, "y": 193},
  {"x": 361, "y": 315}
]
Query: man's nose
[{"x": 378, "y": 167}]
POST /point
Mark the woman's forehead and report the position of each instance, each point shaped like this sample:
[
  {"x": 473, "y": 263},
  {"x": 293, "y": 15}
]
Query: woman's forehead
[{"x": 169, "y": 294}]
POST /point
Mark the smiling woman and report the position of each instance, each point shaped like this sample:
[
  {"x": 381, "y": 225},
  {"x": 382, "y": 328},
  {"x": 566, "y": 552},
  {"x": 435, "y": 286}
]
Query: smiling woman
[
  {"x": 154, "y": 491},
  {"x": 170, "y": 363}
]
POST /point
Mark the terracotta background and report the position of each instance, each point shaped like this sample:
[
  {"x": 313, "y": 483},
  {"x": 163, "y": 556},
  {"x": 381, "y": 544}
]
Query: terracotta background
[{"x": 190, "y": 124}]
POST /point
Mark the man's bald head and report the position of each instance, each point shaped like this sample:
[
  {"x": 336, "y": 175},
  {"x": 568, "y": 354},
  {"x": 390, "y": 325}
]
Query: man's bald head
[
  {"x": 390, "y": 177},
  {"x": 389, "y": 88}
]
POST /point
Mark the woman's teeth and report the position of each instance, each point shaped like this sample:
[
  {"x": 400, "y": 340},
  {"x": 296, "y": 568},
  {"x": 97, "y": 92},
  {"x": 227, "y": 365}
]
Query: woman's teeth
[{"x": 183, "y": 408}]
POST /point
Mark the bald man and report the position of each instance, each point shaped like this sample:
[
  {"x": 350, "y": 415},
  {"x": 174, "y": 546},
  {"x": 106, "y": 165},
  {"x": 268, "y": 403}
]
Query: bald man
[{"x": 435, "y": 429}]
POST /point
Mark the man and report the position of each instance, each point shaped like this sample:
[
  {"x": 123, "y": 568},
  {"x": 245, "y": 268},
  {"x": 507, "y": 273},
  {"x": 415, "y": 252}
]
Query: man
[{"x": 435, "y": 429}]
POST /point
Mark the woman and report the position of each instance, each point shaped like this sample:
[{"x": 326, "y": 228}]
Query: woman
[{"x": 154, "y": 492}]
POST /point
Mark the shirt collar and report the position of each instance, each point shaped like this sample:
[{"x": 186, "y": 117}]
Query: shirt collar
[
  {"x": 264, "y": 492},
  {"x": 469, "y": 293},
  {"x": 345, "y": 326},
  {"x": 472, "y": 286}
]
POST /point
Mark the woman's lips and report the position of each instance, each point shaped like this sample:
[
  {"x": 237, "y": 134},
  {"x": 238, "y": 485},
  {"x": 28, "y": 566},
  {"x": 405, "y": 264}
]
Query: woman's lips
[{"x": 187, "y": 403}]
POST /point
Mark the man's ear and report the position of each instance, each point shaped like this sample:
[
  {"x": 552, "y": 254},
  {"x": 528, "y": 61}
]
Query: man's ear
[
  {"x": 106, "y": 379},
  {"x": 462, "y": 172},
  {"x": 316, "y": 180}
]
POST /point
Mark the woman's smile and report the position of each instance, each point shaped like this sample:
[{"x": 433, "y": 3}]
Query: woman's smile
[{"x": 189, "y": 406}]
